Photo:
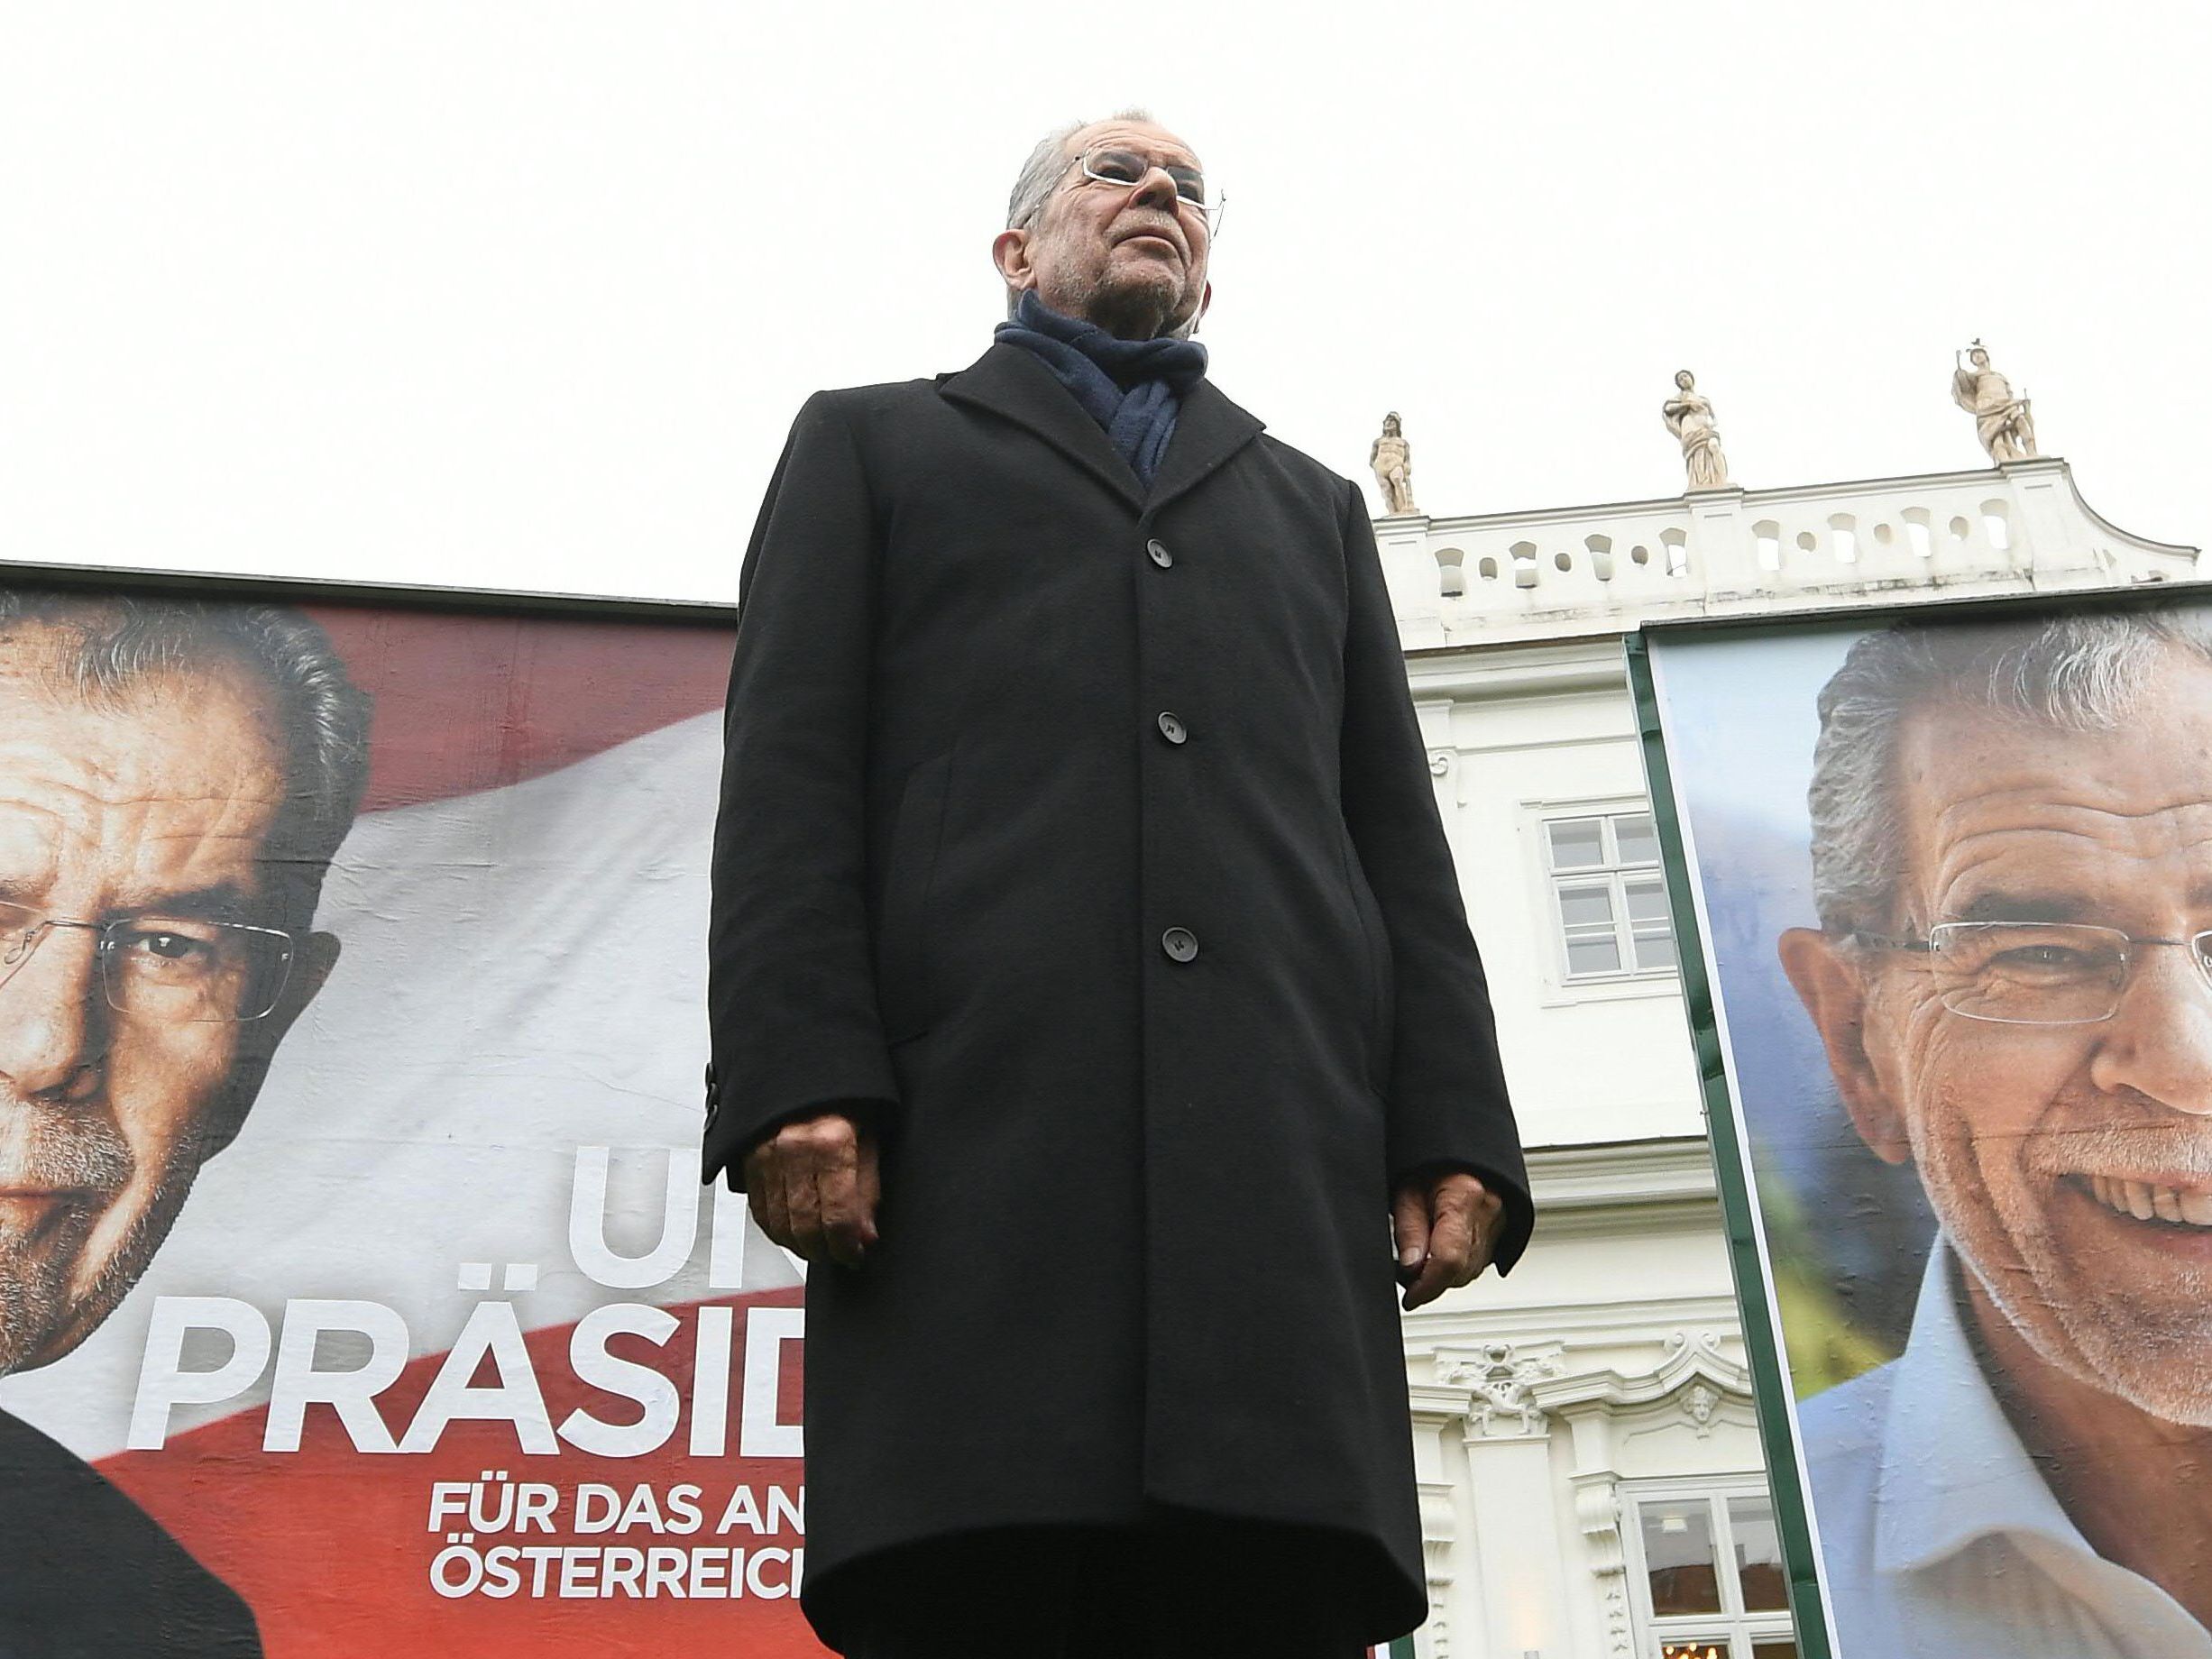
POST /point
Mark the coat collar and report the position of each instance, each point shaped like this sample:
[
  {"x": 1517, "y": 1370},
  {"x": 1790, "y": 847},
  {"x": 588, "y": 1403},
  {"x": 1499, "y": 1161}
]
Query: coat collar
[{"x": 1208, "y": 430}]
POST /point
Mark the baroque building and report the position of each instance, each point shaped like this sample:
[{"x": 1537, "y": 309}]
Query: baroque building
[{"x": 1584, "y": 1429}]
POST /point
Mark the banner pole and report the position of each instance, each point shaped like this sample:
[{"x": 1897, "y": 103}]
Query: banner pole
[{"x": 1770, "y": 1381}]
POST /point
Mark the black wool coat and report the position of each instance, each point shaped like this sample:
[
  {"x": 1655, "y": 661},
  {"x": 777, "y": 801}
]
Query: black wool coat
[
  {"x": 85, "y": 1573},
  {"x": 1088, "y": 833}
]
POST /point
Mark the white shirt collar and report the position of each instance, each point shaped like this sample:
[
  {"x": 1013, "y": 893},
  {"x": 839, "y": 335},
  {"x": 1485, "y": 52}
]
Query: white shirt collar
[{"x": 1952, "y": 1469}]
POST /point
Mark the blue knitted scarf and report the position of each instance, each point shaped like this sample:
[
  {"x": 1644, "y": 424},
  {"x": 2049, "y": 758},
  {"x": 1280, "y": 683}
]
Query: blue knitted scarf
[{"x": 1133, "y": 388}]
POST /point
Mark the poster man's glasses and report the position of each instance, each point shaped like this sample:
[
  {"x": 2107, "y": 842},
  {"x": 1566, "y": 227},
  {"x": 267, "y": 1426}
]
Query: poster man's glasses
[
  {"x": 1129, "y": 170},
  {"x": 2035, "y": 972},
  {"x": 166, "y": 969}
]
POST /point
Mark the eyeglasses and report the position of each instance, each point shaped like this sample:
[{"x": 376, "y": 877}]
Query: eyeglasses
[
  {"x": 1128, "y": 169},
  {"x": 2035, "y": 972},
  {"x": 167, "y": 970}
]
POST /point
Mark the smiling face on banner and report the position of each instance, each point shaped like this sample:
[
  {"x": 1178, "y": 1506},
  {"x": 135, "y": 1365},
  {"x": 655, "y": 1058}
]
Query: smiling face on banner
[{"x": 2049, "y": 1071}]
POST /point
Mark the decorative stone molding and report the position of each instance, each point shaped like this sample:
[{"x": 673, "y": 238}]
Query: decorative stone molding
[
  {"x": 1699, "y": 1402},
  {"x": 1438, "y": 1413},
  {"x": 1597, "y": 1511},
  {"x": 1694, "y": 1380},
  {"x": 1568, "y": 571},
  {"x": 1507, "y": 1398},
  {"x": 1690, "y": 1360},
  {"x": 1500, "y": 1377},
  {"x": 1439, "y": 1534}
]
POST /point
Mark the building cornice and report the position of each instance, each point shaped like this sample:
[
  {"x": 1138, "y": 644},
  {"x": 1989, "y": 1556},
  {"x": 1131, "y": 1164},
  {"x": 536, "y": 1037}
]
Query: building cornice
[
  {"x": 1565, "y": 573},
  {"x": 1617, "y": 1185}
]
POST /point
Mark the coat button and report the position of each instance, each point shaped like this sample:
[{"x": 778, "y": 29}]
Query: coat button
[
  {"x": 1171, "y": 728},
  {"x": 1160, "y": 554},
  {"x": 1180, "y": 943}
]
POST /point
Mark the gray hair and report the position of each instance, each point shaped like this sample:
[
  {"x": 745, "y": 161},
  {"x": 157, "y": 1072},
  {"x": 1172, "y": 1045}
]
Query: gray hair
[
  {"x": 2079, "y": 673},
  {"x": 1039, "y": 175},
  {"x": 1032, "y": 187},
  {"x": 113, "y": 640}
]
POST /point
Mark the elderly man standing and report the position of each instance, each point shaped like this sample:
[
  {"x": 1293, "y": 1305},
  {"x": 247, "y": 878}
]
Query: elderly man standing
[{"x": 1089, "y": 981}]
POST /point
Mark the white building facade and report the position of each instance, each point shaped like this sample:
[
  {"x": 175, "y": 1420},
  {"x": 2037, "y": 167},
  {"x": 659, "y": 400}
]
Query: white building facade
[{"x": 1589, "y": 1422}]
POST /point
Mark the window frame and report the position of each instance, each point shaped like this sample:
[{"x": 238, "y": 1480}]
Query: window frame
[
  {"x": 1567, "y": 985},
  {"x": 1741, "y": 1625}
]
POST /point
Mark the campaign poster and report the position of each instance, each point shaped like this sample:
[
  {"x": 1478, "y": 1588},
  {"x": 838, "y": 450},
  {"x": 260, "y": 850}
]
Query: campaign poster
[
  {"x": 1951, "y": 867},
  {"x": 358, "y": 1291}
]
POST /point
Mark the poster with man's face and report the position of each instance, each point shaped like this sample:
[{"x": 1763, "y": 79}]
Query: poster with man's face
[
  {"x": 358, "y": 1292},
  {"x": 1954, "y": 876}
]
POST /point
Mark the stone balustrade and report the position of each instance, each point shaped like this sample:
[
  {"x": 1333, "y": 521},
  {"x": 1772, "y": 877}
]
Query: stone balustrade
[{"x": 1600, "y": 569}]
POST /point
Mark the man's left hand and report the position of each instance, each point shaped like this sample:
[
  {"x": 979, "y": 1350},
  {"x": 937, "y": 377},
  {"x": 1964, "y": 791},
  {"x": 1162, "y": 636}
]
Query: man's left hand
[{"x": 1445, "y": 1224}]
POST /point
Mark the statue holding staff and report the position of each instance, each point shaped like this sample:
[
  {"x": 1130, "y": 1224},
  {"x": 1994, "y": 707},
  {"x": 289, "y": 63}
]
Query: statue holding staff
[{"x": 2002, "y": 421}]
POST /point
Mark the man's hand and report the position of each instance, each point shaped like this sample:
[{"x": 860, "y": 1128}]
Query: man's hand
[
  {"x": 814, "y": 1186},
  {"x": 1445, "y": 1224}
]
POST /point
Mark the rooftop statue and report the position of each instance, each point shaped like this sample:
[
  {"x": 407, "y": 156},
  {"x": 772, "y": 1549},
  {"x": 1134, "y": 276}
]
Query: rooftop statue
[
  {"x": 1392, "y": 459},
  {"x": 1689, "y": 416},
  {"x": 2001, "y": 420}
]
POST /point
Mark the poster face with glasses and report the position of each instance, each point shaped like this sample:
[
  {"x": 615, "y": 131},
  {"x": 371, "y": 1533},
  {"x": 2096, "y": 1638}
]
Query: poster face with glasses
[
  {"x": 358, "y": 1293},
  {"x": 1954, "y": 878}
]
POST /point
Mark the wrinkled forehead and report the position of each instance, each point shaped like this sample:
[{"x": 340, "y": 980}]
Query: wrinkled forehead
[
  {"x": 1987, "y": 798},
  {"x": 1146, "y": 137},
  {"x": 200, "y": 734}
]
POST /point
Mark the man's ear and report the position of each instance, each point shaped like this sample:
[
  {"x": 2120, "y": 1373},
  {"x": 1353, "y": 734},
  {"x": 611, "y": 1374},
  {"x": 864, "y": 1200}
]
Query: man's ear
[
  {"x": 318, "y": 954},
  {"x": 1010, "y": 253},
  {"x": 1834, "y": 993},
  {"x": 1187, "y": 329}
]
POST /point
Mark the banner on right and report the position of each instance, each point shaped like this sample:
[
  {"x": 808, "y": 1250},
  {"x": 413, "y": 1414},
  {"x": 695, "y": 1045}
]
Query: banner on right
[{"x": 1952, "y": 872}]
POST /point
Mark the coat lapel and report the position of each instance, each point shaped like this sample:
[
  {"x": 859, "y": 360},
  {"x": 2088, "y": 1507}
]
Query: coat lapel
[
  {"x": 1209, "y": 430},
  {"x": 1010, "y": 382}
]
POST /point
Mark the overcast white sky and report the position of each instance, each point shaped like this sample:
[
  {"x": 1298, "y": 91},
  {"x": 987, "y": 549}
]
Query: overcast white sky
[{"x": 525, "y": 295}]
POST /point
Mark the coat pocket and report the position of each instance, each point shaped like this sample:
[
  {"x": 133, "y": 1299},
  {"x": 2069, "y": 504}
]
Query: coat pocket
[
  {"x": 1381, "y": 971},
  {"x": 902, "y": 930}
]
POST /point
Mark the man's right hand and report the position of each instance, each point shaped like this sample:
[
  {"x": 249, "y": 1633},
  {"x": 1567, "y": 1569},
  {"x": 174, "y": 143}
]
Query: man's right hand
[{"x": 814, "y": 1186}]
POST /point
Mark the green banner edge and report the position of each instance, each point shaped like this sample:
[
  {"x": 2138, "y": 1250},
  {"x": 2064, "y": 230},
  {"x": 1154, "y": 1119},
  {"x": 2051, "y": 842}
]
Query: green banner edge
[{"x": 1770, "y": 1383}]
